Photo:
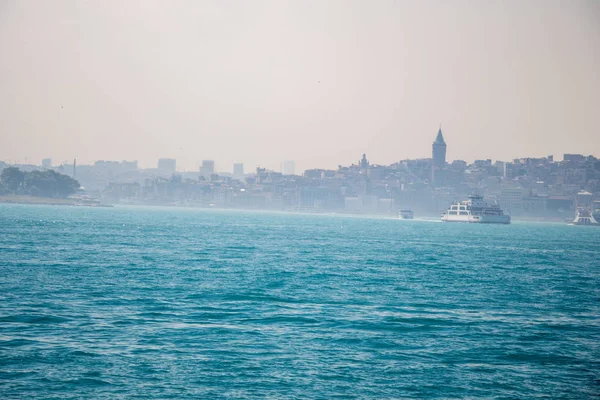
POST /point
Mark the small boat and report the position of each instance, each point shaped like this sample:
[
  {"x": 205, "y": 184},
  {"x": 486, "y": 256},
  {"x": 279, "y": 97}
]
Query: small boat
[
  {"x": 406, "y": 214},
  {"x": 585, "y": 216}
]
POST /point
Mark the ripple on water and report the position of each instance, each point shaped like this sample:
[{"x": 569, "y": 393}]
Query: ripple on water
[{"x": 168, "y": 303}]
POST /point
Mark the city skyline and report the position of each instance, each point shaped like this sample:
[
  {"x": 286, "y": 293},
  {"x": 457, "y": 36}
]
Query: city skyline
[
  {"x": 438, "y": 155},
  {"x": 189, "y": 163},
  {"x": 324, "y": 81},
  {"x": 227, "y": 169},
  {"x": 527, "y": 187}
]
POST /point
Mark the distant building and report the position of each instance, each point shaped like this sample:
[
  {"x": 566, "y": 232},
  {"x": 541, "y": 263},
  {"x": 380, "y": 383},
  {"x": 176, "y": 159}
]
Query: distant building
[
  {"x": 482, "y": 163},
  {"x": 508, "y": 170},
  {"x": 459, "y": 165},
  {"x": 367, "y": 204},
  {"x": 167, "y": 164},
  {"x": 208, "y": 167},
  {"x": 289, "y": 167},
  {"x": 560, "y": 204},
  {"x": 511, "y": 199},
  {"x": 353, "y": 203},
  {"x": 238, "y": 171},
  {"x": 107, "y": 168},
  {"x": 313, "y": 173},
  {"x": 129, "y": 165},
  {"x": 574, "y": 157},
  {"x": 47, "y": 163}
]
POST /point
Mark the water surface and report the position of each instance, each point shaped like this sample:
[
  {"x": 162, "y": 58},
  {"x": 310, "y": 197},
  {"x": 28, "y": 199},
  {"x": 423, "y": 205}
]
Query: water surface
[{"x": 181, "y": 303}]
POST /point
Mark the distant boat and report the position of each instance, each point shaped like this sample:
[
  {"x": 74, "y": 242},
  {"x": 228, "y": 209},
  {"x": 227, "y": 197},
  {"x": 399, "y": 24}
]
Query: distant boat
[
  {"x": 585, "y": 216},
  {"x": 477, "y": 210},
  {"x": 406, "y": 214}
]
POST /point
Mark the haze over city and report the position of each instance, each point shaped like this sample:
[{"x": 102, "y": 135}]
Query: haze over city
[
  {"x": 316, "y": 82},
  {"x": 305, "y": 199}
]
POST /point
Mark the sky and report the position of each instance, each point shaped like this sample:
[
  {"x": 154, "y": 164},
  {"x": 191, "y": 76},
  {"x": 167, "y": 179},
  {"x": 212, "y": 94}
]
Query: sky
[{"x": 317, "y": 82}]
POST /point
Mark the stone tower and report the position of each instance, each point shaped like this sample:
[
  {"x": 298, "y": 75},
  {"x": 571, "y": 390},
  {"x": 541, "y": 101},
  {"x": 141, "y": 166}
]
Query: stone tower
[{"x": 438, "y": 151}]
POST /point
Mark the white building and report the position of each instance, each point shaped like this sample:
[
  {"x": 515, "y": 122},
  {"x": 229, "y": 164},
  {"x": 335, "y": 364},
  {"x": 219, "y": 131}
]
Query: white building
[
  {"x": 167, "y": 164},
  {"x": 289, "y": 167},
  {"x": 208, "y": 167},
  {"x": 238, "y": 171}
]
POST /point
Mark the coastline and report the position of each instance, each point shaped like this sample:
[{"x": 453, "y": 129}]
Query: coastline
[
  {"x": 33, "y": 200},
  {"x": 49, "y": 201}
]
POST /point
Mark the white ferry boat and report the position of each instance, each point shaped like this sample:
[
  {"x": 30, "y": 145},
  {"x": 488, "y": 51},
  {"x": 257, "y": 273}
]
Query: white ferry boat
[
  {"x": 406, "y": 214},
  {"x": 585, "y": 216},
  {"x": 475, "y": 209}
]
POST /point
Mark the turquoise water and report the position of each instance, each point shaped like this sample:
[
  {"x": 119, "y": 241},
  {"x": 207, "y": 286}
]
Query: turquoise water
[{"x": 177, "y": 303}]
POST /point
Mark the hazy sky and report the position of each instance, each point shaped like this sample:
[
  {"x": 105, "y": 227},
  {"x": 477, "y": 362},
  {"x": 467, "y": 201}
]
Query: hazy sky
[{"x": 318, "y": 82}]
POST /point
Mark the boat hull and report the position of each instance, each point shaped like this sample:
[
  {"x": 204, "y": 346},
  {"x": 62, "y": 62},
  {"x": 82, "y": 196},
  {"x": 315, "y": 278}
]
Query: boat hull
[{"x": 479, "y": 219}]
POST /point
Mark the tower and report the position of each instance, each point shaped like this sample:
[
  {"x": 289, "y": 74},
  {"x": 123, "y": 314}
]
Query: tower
[
  {"x": 364, "y": 163},
  {"x": 438, "y": 151},
  {"x": 74, "y": 167},
  {"x": 438, "y": 156}
]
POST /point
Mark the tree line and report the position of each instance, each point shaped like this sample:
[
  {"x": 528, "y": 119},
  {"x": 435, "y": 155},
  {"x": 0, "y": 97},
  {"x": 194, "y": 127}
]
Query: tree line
[{"x": 37, "y": 183}]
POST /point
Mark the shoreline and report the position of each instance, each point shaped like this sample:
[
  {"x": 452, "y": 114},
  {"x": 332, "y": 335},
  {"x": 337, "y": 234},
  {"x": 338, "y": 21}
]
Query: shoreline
[
  {"x": 49, "y": 201},
  {"x": 32, "y": 200}
]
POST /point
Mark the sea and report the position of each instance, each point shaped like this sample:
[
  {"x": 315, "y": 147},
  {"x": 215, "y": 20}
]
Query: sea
[{"x": 173, "y": 303}]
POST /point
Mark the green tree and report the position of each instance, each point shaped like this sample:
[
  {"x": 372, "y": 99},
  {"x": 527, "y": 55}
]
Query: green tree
[
  {"x": 12, "y": 179},
  {"x": 65, "y": 185},
  {"x": 38, "y": 183}
]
